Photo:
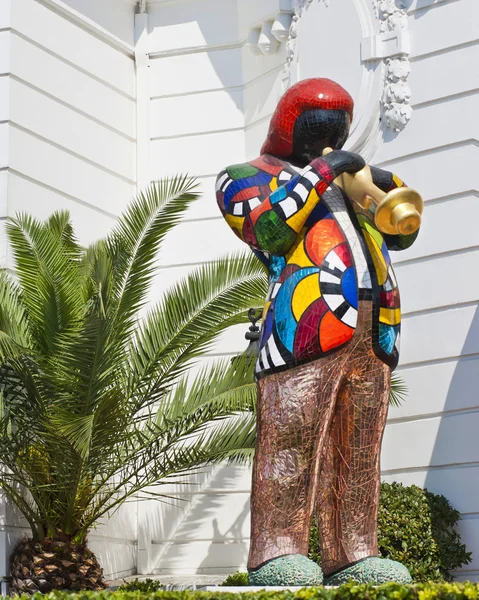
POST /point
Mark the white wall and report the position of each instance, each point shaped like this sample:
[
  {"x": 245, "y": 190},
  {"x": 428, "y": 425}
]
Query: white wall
[
  {"x": 71, "y": 118},
  {"x": 68, "y": 141},
  {"x": 430, "y": 440},
  {"x": 115, "y": 16},
  {"x": 207, "y": 91}
]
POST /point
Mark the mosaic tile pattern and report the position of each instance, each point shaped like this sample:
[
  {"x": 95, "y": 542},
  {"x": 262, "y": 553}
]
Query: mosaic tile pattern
[
  {"x": 319, "y": 429},
  {"x": 322, "y": 252},
  {"x": 330, "y": 330}
]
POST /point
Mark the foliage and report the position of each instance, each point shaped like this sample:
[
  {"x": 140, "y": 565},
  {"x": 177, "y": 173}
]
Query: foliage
[
  {"x": 314, "y": 552},
  {"x": 349, "y": 591},
  {"x": 398, "y": 391},
  {"x": 144, "y": 586},
  {"x": 94, "y": 401},
  {"x": 239, "y": 578},
  {"x": 418, "y": 529}
]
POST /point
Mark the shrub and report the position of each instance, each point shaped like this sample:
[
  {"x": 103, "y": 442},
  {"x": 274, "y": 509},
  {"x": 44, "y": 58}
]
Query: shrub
[
  {"x": 350, "y": 591},
  {"x": 236, "y": 579},
  {"x": 146, "y": 586},
  {"x": 418, "y": 529}
]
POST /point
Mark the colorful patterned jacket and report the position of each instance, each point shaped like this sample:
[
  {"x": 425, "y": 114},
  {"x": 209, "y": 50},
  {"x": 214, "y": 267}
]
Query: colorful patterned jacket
[{"x": 323, "y": 252}]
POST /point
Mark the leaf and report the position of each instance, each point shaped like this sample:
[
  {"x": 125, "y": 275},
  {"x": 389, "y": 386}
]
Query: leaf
[{"x": 398, "y": 391}]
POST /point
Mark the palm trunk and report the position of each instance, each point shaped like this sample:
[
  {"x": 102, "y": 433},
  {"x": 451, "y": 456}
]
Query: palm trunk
[{"x": 54, "y": 564}]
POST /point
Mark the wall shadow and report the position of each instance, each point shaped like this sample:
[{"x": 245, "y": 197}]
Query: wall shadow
[
  {"x": 218, "y": 31},
  {"x": 212, "y": 532},
  {"x": 455, "y": 454},
  {"x": 234, "y": 535},
  {"x": 460, "y": 397},
  {"x": 423, "y": 5}
]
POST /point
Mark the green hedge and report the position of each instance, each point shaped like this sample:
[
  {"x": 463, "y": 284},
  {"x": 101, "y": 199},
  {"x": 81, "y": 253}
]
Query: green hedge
[{"x": 389, "y": 591}]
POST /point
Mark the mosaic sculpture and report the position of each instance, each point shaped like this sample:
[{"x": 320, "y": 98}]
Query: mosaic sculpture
[{"x": 322, "y": 222}]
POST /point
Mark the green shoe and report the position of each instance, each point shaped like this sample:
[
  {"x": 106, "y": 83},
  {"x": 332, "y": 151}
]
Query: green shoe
[
  {"x": 288, "y": 570},
  {"x": 371, "y": 570}
]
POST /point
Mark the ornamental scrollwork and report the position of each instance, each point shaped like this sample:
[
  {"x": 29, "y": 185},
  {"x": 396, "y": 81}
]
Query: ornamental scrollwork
[{"x": 395, "y": 98}]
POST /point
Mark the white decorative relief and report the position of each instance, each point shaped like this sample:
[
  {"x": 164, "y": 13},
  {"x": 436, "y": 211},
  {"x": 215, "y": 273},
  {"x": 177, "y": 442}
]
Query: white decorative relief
[
  {"x": 390, "y": 45},
  {"x": 390, "y": 15},
  {"x": 299, "y": 8},
  {"x": 396, "y": 96},
  {"x": 267, "y": 36}
]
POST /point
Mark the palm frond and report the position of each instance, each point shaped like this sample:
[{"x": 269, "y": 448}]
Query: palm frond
[
  {"x": 60, "y": 225},
  {"x": 224, "y": 385},
  {"x": 188, "y": 319},
  {"x": 48, "y": 278},
  {"x": 13, "y": 316},
  {"x": 398, "y": 391},
  {"x": 209, "y": 420},
  {"x": 138, "y": 234}
]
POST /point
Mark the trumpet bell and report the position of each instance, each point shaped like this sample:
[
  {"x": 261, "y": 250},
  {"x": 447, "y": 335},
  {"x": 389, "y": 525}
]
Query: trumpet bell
[{"x": 399, "y": 212}]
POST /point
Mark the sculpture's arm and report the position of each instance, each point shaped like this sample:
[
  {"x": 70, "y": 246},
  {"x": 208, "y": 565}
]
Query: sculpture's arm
[
  {"x": 271, "y": 222},
  {"x": 387, "y": 181}
]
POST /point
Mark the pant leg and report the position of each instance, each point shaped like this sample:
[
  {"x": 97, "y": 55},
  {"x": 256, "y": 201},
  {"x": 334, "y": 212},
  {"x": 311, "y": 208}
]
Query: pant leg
[
  {"x": 294, "y": 413},
  {"x": 349, "y": 484}
]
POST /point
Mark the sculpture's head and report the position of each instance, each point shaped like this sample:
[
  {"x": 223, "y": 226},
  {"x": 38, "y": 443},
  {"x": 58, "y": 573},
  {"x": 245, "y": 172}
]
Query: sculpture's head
[{"x": 312, "y": 115}]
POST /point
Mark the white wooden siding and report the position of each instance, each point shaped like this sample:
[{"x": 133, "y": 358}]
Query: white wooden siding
[
  {"x": 67, "y": 141},
  {"x": 207, "y": 90},
  {"x": 71, "y": 118},
  {"x": 430, "y": 440}
]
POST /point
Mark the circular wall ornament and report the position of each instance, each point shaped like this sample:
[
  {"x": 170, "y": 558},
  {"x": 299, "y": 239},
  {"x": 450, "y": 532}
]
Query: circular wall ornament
[{"x": 363, "y": 45}]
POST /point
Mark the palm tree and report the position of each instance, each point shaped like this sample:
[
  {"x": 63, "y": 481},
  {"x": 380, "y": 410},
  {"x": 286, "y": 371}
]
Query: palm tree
[{"x": 95, "y": 402}]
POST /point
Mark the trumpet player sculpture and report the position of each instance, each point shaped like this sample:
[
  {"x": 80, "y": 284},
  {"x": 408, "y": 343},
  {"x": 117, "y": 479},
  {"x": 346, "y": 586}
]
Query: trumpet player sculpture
[{"x": 323, "y": 223}]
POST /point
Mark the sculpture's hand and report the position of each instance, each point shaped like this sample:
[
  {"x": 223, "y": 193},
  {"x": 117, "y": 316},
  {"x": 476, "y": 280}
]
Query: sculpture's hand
[
  {"x": 357, "y": 184},
  {"x": 340, "y": 161}
]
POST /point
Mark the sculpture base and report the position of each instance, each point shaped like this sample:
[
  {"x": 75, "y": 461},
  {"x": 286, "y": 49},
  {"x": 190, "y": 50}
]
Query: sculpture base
[
  {"x": 288, "y": 570},
  {"x": 371, "y": 570}
]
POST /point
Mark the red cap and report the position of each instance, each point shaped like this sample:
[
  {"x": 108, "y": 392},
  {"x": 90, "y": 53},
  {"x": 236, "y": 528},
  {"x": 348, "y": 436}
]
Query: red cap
[{"x": 308, "y": 94}]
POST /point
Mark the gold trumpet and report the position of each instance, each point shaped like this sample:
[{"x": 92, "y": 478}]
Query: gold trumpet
[{"x": 398, "y": 211}]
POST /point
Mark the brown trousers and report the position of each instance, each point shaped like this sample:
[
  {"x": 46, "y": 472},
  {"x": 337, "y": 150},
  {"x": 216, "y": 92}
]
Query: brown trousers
[{"x": 319, "y": 433}]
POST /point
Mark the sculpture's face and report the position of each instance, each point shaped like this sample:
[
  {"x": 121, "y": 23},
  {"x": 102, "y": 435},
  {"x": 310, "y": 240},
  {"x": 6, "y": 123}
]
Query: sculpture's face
[{"x": 315, "y": 130}]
